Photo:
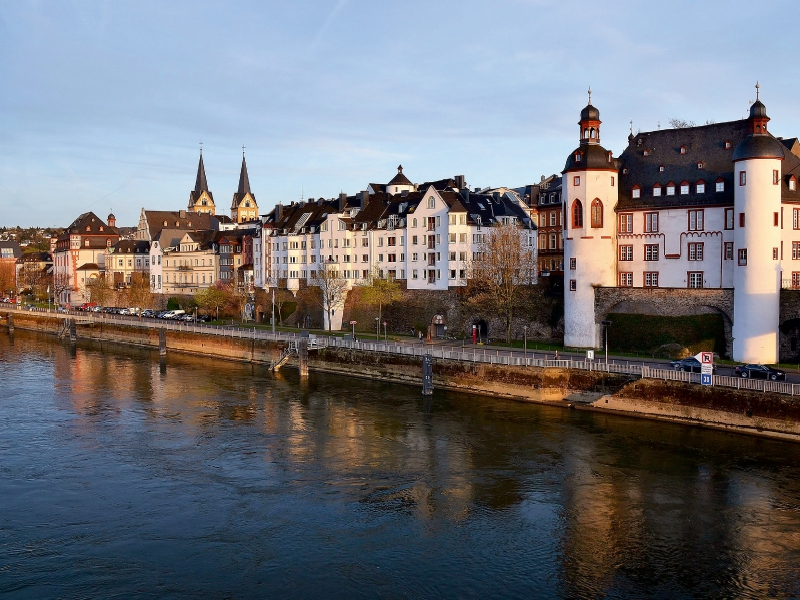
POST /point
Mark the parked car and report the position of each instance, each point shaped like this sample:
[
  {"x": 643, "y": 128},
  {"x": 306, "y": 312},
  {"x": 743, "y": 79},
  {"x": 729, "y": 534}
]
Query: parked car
[
  {"x": 87, "y": 306},
  {"x": 759, "y": 372},
  {"x": 690, "y": 365}
]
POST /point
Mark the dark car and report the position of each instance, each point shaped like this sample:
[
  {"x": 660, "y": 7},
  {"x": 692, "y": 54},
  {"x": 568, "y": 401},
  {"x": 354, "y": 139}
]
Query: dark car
[
  {"x": 759, "y": 372},
  {"x": 690, "y": 365}
]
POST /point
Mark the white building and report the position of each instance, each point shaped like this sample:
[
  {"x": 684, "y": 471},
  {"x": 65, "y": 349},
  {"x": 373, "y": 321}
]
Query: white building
[{"x": 714, "y": 206}]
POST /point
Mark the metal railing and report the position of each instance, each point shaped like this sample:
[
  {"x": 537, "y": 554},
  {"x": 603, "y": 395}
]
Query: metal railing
[{"x": 485, "y": 356}]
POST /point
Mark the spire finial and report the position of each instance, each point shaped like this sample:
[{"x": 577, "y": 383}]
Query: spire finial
[
  {"x": 201, "y": 148},
  {"x": 631, "y": 126},
  {"x": 400, "y": 168},
  {"x": 590, "y": 94},
  {"x": 242, "y": 150},
  {"x": 758, "y": 88}
]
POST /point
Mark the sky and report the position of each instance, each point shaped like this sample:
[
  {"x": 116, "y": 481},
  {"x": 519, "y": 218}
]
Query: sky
[{"x": 103, "y": 104}]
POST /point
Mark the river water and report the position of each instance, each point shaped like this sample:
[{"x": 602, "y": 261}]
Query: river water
[{"x": 124, "y": 477}]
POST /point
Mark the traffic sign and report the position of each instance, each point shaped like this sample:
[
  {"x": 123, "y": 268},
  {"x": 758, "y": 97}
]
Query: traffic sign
[
  {"x": 705, "y": 379},
  {"x": 353, "y": 322},
  {"x": 590, "y": 355}
]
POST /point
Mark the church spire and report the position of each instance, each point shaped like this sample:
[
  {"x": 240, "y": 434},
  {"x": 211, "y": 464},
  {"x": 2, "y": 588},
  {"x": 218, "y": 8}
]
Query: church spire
[
  {"x": 201, "y": 185},
  {"x": 244, "y": 180}
]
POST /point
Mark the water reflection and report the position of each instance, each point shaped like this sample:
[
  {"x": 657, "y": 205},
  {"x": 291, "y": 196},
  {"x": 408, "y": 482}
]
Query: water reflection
[{"x": 228, "y": 479}]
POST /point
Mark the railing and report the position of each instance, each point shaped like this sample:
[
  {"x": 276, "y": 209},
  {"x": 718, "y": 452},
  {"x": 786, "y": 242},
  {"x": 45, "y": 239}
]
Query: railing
[{"x": 491, "y": 357}]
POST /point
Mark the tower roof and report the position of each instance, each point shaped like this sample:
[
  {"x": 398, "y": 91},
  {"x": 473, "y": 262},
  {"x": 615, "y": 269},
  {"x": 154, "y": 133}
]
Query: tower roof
[
  {"x": 400, "y": 179},
  {"x": 201, "y": 185},
  {"x": 244, "y": 180},
  {"x": 590, "y": 113}
]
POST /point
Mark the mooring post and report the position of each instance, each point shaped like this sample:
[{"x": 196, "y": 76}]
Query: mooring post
[
  {"x": 162, "y": 342},
  {"x": 73, "y": 331},
  {"x": 302, "y": 353},
  {"x": 427, "y": 375},
  {"x": 10, "y": 323}
]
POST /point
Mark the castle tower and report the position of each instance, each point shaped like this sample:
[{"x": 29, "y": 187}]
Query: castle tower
[
  {"x": 757, "y": 274},
  {"x": 200, "y": 199},
  {"x": 590, "y": 194},
  {"x": 243, "y": 206}
]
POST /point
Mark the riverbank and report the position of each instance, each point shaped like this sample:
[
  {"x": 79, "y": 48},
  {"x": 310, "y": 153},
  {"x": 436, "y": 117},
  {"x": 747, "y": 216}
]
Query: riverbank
[{"x": 741, "y": 411}]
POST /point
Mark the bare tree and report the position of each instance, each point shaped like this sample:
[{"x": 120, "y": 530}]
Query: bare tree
[
  {"x": 333, "y": 288},
  {"x": 138, "y": 292},
  {"x": 676, "y": 123},
  {"x": 380, "y": 291},
  {"x": 99, "y": 290},
  {"x": 503, "y": 270}
]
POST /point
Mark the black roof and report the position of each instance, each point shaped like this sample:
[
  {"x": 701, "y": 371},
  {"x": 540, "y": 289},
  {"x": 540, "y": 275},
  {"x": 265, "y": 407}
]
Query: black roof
[
  {"x": 201, "y": 185},
  {"x": 593, "y": 156},
  {"x": 758, "y": 145},
  {"x": 590, "y": 113},
  {"x": 400, "y": 179}
]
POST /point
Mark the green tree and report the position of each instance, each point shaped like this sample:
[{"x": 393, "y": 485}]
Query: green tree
[
  {"x": 380, "y": 291},
  {"x": 213, "y": 298}
]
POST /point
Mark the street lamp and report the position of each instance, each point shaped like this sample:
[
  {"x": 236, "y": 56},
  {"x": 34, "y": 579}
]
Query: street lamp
[
  {"x": 605, "y": 325},
  {"x": 385, "y": 336},
  {"x": 377, "y": 329},
  {"x": 525, "y": 342}
]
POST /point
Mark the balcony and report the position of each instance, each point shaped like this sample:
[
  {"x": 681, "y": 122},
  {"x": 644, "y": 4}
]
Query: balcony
[{"x": 185, "y": 268}]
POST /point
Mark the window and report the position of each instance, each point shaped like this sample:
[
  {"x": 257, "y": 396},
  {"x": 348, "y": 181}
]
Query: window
[
  {"x": 670, "y": 189},
  {"x": 695, "y": 220},
  {"x": 573, "y": 285},
  {"x": 792, "y": 183},
  {"x": 727, "y": 144},
  {"x": 646, "y": 153},
  {"x": 775, "y": 219},
  {"x": 452, "y": 238},
  {"x": 695, "y": 279},
  {"x": 742, "y": 178},
  {"x": 431, "y": 223},
  {"x": 661, "y": 168},
  {"x": 597, "y": 213},
  {"x": 696, "y": 251},
  {"x": 743, "y": 257},
  {"x": 626, "y": 280},
  {"x": 577, "y": 157},
  {"x": 796, "y": 218},
  {"x": 650, "y": 222},
  {"x": 719, "y": 186},
  {"x": 700, "y": 188},
  {"x": 553, "y": 242},
  {"x": 414, "y": 274},
  {"x": 700, "y": 165},
  {"x": 728, "y": 250},
  {"x": 636, "y": 192},
  {"x": 728, "y": 218},
  {"x": 650, "y": 279},
  {"x": 795, "y": 279},
  {"x": 774, "y": 254},
  {"x": 573, "y": 263},
  {"x": 795, "y": 250},
  {"x": 684, "y": 188},
  {"x": 657, "y": 190},
  {"x": 741, "y": 219},
  {"x": 626, "y": 223},
  {"x": 431, "y": 202},
  {"x": 626, "y": 253},
  {"x": 577, "y": 214},
  {"x": 553, "y": 219},
  {"x": 651, "y": 252},
  {"x": 576, "y": 180},
  {"x": 775, "y": 177},
  {"x": 612, "y": 177},
  {"x": 452, "y": 255}
]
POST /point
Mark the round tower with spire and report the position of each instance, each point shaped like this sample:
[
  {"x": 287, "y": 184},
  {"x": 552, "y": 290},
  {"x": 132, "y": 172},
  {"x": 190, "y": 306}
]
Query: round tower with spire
[
  {"x": 589, "y": 190},
  {"x": 757, "y": 239}
]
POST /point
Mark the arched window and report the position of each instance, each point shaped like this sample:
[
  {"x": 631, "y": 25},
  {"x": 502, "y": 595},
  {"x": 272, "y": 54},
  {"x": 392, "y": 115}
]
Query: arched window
[
  {"x": 577, "y": 214},
  {"x": 591, "y": 133},
  {"x": 597, "y": 213}
]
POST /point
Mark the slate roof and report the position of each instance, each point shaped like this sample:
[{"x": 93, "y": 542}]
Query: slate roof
[
  {"x": 174, "y": 220},
  {"x": 16, "y": 249},
  {"x": 400, "y": 179},
  {"x": 169, "y": 238},
  {"x": 90, "y": 224},
  {"x": 244, "y": 186},
  {"x": 593, "y": 156},
  {"x": 131, "y": 247},
  {"x": 704, "y": 144}
]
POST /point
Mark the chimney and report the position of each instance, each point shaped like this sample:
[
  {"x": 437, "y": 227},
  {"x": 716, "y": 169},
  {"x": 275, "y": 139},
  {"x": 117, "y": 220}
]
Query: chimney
[
  {"x": 476, "y": 190},
  {"x": 278, "y": 212},
  {"x": 342, "y": 201},
  {"x": 496, "y": 196},
  {"x": 182, "y": 214},
  {"x": 460, "y": 183},
  {"x": 364, "y": 199}
]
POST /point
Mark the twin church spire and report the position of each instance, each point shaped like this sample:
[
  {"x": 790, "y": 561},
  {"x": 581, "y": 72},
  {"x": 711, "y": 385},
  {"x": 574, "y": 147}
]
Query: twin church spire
[{"x": 243, "y": 206}]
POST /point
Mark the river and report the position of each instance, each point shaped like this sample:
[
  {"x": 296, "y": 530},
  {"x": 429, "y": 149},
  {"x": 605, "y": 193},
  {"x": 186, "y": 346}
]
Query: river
[{"x": 121, "y": 476}]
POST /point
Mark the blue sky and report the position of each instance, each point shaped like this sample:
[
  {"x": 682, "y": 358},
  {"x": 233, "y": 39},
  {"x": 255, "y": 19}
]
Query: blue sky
[{"x": 102, "y": 104}]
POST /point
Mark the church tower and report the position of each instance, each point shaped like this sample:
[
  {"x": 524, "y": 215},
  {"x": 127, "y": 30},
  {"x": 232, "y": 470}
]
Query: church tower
[
  {"x": 200, "y": 199},
  {"x": 590, "y": 195},
  {"x": 244, "y": 207},
  {"x": 757, "y": 239}
]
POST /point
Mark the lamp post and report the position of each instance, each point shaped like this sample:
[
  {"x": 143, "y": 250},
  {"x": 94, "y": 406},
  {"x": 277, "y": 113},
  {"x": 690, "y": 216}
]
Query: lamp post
[
  {"x": 525, "y": 342},
  {"x": 605, "y": 325},
  {"x": 385, "y": 335},
  {"x": 273, "y": 310},
  {"x": 377, "y": 329},
  {"x": 48, "y": 298}
]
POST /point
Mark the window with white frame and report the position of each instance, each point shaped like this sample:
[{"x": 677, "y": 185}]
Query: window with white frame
[
  {"x": 670, "y": 189},
  {"x": 684, "y": 188},
  {"x": 651, "y": 252},
  {"x": 719, "y": 186},
  {"x": 728, "y": 252},
  {"x": 696, "y": 220},
  {"x": 700, "y": 188},
  {"x": 626, "y": 252},
  {"x": 573, "y": 263},
  {"x": 626, "y": 280},
  {"x": 636, "y": 192},
  {"x": 431, "y": 202},
  {"x": 695, "y": 279},
  {"x": 696, "y": 251},
  {"x": 573, "y": 285},
  {"x": 657, "y": 190},
  {"x": 742, "y": 257},
  {"x": 651, "y": 279},
  {"x": 795, "y": 250},
  {"x": 651, "y": 222},
  {"x": 626, "y": 223}
]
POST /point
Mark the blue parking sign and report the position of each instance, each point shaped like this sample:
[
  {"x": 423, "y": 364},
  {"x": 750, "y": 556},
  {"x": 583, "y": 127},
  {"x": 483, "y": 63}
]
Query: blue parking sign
[{"x": 705, "y": 379}]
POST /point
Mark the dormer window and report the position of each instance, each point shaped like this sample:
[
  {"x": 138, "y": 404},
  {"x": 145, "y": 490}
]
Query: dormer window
[
  {"x": 88, "y": 228},
  {"x": 727, "y": 144},
  {"x": 625, "y": 171},
  {"x": 670, "y": 189},
  {"x": 719, "y": 185},
  {"x": 657, "y": 190},
  {"x": 646, "y": 152},
  {"x": 165, "y": 223},
  {"x": 700, "y": 187},
  {"x": 700, "y": 165},
  {"x": 684, "y": 188},
  {"x": 661, "y": 169},
  {"x": 86, "y": 243},
  {"x": 608, "y": 157},
  {"x": 577, "y": 157},
  {"x": 636, "y": 192},
  {"x": 683, "y": 149},
  {"x": 793, "y": 183},
  {"x": 101, "y": 228}
]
